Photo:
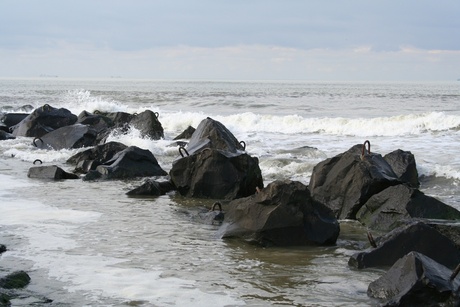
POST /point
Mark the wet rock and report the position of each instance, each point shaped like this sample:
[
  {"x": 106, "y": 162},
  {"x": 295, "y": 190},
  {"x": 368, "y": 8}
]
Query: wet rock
[
  {"x": 44, "y": 120},
  {"x": 15, "y": 280},
  {"x": 186, "y": 134},
  {"x": 345, "y": 182},
  {"x": 52, "y": 172},
  {"x": 91, "y": 158},
  {"x": 215, "y": 165},
  {"x": 213, "y": 134},
  {"x": 6, "y": 136},
  {"x": 152, "y": 188},
  {"x": 398, "y": 204},
  {"x": 404, "y": 166},
  {"x": 2, "y": 248},
  {"x": 211, "y": 174},
  {"x": 281, "y": 214},
  {"x": 12, "y": 119},
  {"x": 418, "y": 237},
  {"x": 72, "y": 136},
  {"x": 415, "y": 280},
  {"x": 132, "y": 162},
  {"x": 148, "y": 125},
  {"x": 98, "y": 122}
]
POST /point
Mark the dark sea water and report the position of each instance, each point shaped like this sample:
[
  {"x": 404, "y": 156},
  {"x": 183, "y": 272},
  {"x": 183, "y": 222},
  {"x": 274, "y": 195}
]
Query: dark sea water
[{"x": 87, "y": 243}]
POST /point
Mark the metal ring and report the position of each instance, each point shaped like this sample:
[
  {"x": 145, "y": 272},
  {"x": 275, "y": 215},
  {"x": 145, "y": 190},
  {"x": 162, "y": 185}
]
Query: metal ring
[
  {"x": 371, "y": 239},
  {"x": 46, "y": 107},
  {"x": 156, "y": 114},
  {"x": 180, "y": 151},
  {"x": 216, "y": 204},
  {"x": 243, "y": 143},
  {"x": 35, "y": 144},
  {"x": 38, "y": 160}
]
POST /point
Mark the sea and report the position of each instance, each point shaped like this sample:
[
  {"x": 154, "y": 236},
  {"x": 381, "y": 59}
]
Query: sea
[{"x": 89, "y": 244}]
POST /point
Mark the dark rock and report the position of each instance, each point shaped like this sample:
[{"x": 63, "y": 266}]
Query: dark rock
[
  {"x": 120, "y": 120},
  {"x": 213, "y": 134},
  {"x": 404, "y": 166},
  {"x": 186, "y": 134},
  {"x": 415, "y": 280},
  {"x": 89, "y": 159},
  {"x": 12, "y": 119},
  {"x": 15, "y": 280},
  {"x": 44, "y": 120},
  {"x": 50, "y": 172},
  {"x": 451, "y": 231},
  {"x": 216, "y": 166},
  {"x": 418, "y": 237},
  {"x": 72, "y": 136},
  {"x": 211, "y": 174},
  {"x": 132, "y": 162},
  {"x": 281, "y": 214},
  {"x": 152, "y": 188},
  {"x": 98, "y": 122},
  {"x": 2, "y": 248},
  {"x": 6, "y": 136},
  {"x": 148, "y": 124},
  {"x": 397, "y": 204},
  {"x": 345, "y": 182}
]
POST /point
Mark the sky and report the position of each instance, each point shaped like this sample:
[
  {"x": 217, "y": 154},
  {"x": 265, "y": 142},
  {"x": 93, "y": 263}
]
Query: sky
[{"x": 321, "y": 40}]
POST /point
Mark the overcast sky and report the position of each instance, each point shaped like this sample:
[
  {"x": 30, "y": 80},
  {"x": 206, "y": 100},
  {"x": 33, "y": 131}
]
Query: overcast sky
[{"x": 407, "y": 40}]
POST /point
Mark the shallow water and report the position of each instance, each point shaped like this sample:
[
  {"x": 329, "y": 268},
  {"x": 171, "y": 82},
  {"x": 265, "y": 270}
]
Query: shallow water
[{"x": 87, "y": 243}]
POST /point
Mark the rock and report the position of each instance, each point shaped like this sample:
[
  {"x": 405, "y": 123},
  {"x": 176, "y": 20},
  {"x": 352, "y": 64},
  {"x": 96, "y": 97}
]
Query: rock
[
  {"x": 15, "y": 280},
  {"x": 98, "y": 122},
  {"x": 450, "y": 230},
  {"x": 152, "y": 188},
  {"x": 148, "y": 124},
  {"x": 120, "y": 120},
  {"x": 213, "y": 134},
  {"x": 44, "y": 120},
  {"x": 417, "y": 237},
  {"x": 2, "y": 248},
  {"x": 415, "y": 280},
  {"x": 132, "y": 162},
  {"x": 404, "y": 166},
  {"x": 91, "y": 158},
  {"x": 211, "y": 174},
  {"x": 6, "y": 136},
  {"x": 345, "y": 182},
  {"x": 281, "y": 214},
  {"x": 216, "y": 165},
  {"x": 398, "y": 204},
  {"x": 186, "y": 134},
  {"x": 72, "y": 136},
  {"x": 12, "y": 119},
  {"x": 50, "y": 172}
]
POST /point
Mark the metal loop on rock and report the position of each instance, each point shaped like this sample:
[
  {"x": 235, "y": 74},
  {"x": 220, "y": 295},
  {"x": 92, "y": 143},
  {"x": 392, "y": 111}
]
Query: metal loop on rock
[
  {"x": 364, "y": 148},
  {"x": 46, "y": 108},
  {"x": 156, "y": 114},
  {"x": 37, "y": 138},
  {"x": 371, "y": 239},
  {"x": 243, "y": 143},
  {"x": 216, "y": 204},
  {"x": 180, "y": 151},
  {"x": 38, "y": 161}
]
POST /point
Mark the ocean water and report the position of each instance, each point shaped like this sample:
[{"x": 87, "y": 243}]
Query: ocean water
[{"x": 88, "y": 244}]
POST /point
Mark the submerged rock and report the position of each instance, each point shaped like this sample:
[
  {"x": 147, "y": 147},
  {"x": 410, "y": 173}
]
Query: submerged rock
[
  {"x": 52, "y": 172},
  {"x": 15, "y": 280},
  {"x": 152, "y": 188}
]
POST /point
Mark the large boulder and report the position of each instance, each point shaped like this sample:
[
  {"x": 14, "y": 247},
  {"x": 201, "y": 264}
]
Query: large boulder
[
  {"x": 98, "y": 122},
  {"x": 345, "y": 182},
  {"x": 91, "y": 158},
  {"x": 52, "y": 172},
  {"x": 44, "y": 120},
  {"x": 418, "y": 237},
  {"x": 281, "y": 214},
  {"x": 132, "y": 162},
  {"x": 148, "y": 124},
  {"x": 12, "y": 119},
  {"x": 398, "y": 204},
  {"x": 73, "y": 136},
  {"x": 403, "y": 164},
  {"x": 215, "y": 165},
  {"x": 212, "y": 174},
  {"x": 6, "y": 136},
  {"x": 415, "y": 280}
]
